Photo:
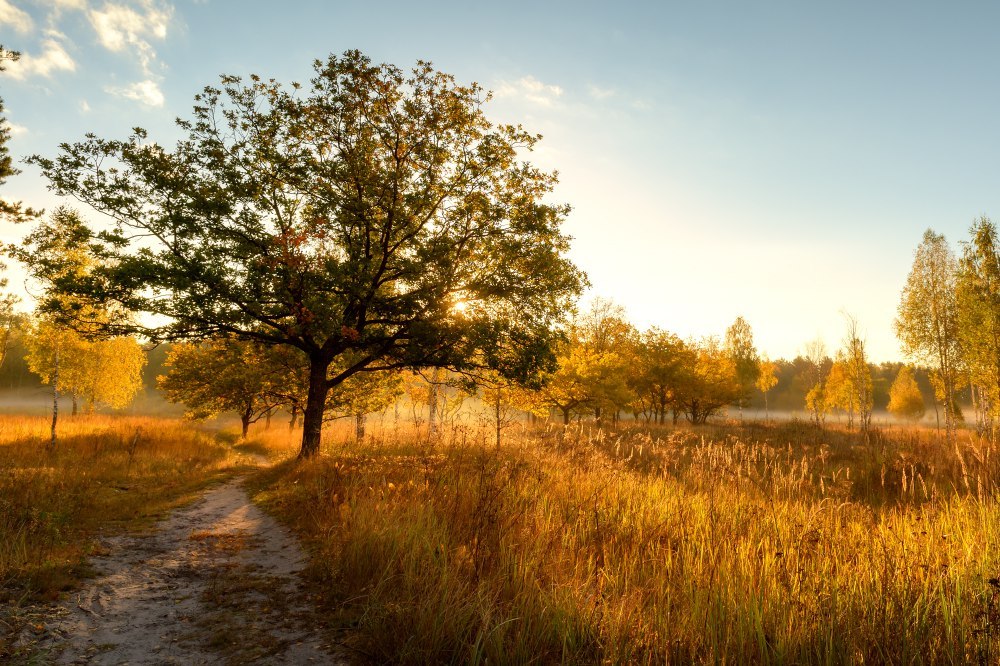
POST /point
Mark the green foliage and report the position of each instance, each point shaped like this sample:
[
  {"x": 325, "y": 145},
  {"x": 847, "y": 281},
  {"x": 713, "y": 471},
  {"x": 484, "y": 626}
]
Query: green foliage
[
  {"x": 6, "y": 164},
  {"x": 978, "y": 296},
  {"x": 58, "y": 251},
  {"x": 217, "y": 376},
  {"x": 13, "y": 211},
  {"x": 224, "y": 374},
  {"x": 344, "y": 221}
]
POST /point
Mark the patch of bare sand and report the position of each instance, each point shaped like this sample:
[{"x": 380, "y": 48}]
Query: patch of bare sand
[{"x": 215, "y": 582}]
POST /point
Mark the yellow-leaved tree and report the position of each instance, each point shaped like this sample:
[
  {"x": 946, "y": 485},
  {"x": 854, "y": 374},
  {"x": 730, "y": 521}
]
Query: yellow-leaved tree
[
  {"x": 978, "y": 299},
  {"x": 928, "y": 319},
  {"x": 739, "y": 347},
  {"x": 859, "y": 374},
  {"x": 92, "y": 372},
  {"x": 839, "y": 392},
  {"x": 767, "y": 379},
  {"x": 816, "y": 403},
  {"x": 655, "y": 374},
  {"x": 905, "y": 399},
  {"x": 709, "y": 380},
  {"x": 67, "y": 347}
]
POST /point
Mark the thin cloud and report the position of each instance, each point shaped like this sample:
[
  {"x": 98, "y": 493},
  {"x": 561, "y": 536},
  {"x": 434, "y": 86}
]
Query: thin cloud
[
  {"x": 600, "y": 93},
  {"x": 145, "y": 92},
  {"x": 58, "y": 6},
  {"x": 14, "y": 17},
  {"x": 531, "y": 89},
  {"x": 68, "y": 4},
  {"x": 121, "y": 27},
  {"x": 53, "y": 58}
]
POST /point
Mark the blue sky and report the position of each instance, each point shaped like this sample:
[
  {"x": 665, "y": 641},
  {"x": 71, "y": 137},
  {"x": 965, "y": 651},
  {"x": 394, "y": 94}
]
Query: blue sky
[{"x": 776, "y": 160}]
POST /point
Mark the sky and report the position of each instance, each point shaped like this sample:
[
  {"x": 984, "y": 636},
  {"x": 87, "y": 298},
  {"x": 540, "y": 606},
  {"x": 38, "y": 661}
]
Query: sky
[{"x": 778, "y": 161}]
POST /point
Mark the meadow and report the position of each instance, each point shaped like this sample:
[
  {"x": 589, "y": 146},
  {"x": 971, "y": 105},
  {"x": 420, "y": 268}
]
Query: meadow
[{"x": 730, "y": 544}]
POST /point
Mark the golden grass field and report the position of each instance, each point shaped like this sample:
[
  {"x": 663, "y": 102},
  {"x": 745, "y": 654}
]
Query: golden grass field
[
  {"x": 731, "y": 544},
  {"x": 782, "y": 544}
]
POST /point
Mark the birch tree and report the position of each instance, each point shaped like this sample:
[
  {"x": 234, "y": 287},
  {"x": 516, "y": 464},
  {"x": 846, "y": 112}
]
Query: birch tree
[{"x": 927, "y": 322}]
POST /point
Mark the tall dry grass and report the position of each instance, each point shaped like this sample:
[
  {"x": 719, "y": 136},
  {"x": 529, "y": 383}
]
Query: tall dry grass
[
  {"x": 105, "y": 473},
  {"x": 779, "y": 544}
]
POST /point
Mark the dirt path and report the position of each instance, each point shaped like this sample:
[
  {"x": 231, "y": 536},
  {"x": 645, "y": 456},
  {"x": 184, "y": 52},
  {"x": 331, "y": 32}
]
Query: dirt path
[{"x": 215, "y": 582}]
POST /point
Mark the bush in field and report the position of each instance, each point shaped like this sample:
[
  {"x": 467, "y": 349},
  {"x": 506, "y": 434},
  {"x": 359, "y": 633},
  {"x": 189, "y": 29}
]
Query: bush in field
[{"x": 905, "y": 398}]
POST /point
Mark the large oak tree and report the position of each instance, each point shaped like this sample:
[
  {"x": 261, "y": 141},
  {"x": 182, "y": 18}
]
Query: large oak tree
[{"x": 346, "y": 220}]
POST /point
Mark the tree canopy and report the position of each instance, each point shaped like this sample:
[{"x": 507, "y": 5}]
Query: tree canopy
[
  {"x": 10, "y": 210},
  {"x": 347, "y": 220},
  {"x": 928, "y": 316},
  {"x": 94, "y": 372},
  {"x": 905, "y": 398}
]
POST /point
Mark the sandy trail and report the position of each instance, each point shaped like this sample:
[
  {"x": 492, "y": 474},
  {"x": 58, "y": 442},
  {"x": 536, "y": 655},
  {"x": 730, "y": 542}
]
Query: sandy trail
[{"x": 215, "y": 582}]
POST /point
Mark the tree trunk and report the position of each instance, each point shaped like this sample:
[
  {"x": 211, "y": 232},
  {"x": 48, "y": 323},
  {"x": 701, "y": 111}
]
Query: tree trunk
[
  {"x": 937, "y": 417},
  {"x": 949, "y": 412},
  {"x": 432, "y": 404},
  {"x": 5, "y": 339},
  {"x": 76, "y": 408},
  {"x": 359, "y": 427},
  {"x": 565, "y": 411},
  {"x": 295, "y": 417},
  {"x": 245, "y": 420},
  {"x": 55, "y": 400},
  {"x": 312, "y": 420},
  {"x": 497, "y": 414},
  {"x": 267, "y": 420}
]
